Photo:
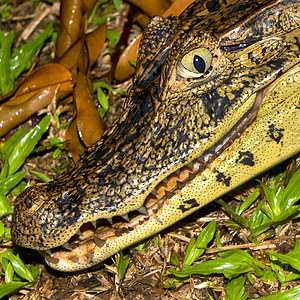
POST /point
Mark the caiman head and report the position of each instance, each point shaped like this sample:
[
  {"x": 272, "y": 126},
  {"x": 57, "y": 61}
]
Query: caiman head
[{"x": 215, "y": 102}]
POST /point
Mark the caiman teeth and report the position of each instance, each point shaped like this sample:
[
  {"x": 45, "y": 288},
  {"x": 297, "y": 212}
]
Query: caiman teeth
[
  {"x": 143, "y": 210},
  {"x": 126, "y": 217},
  {"x": 100, "y": 243},
  {"x": 52, "y": 260},
  {"x": 74, "y": 259},
  {"x": 180, "y": 185},
  {"x": 67, "y": 246},
  {"x": 169, "y": 194},
  {"x": 191, "y": 176},
  {"x": 97, "y": 233},
  {"x": 49, "y": 252},
  {"x": 154, "y": 192}
]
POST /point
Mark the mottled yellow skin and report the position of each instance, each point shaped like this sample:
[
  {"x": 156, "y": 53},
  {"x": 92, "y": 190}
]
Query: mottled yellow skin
[{"x": 249, "y": 85}]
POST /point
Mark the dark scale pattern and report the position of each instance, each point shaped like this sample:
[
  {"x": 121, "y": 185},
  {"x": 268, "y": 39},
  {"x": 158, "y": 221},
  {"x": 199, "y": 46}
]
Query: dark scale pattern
[
  {"x": 246, "y": 158},
  {"x": 172, "y": 118},
  {"x": 275, "y": 133}
]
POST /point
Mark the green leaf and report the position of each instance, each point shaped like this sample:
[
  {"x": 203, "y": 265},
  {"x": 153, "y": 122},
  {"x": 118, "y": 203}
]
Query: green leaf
[
  {"x": 248, "y": 202},
  {"x": 235, "y": 262},
  {"x": 117, "y": 4},
  {"x": 235, "y": 289},
  {"x": 292, "y": 294},
  {"x": 27, "y": 144},
  {"x": 6, "y": 77},
  {"x": 20, "y": 187},
  {"x": 227, "y": 266},
  {"x": 10, "y": 182},
  {"x": 9, "y": 145},
  {"x": 196, "y": 248},
  {"x": 174, "y": 259},
  {"x": 7, "y": 288},
  {"x": 292, "y": 191},
  {"x": 272, "y": 200},
  {"x": 21, "y": 59},
  {"x": 103, "y": 102},
  {"x": 9, "y": 273},
  {"x": 4, "y": 170},
  {"x": 40, "y": 176},
  {"x": 239, "y": 219},
  {"x": 5, "y": 207},
  {"x": 289, "y": 259},
  {"x": 11, "y": 66},
  {"x": 121, "y": 264},
  {"x": 5, "y": 12},
  {"x": 19, "y": 266},
  {"x": 132, "y": 63},
  {"x": 113, "y": 38},
  {"x": 96, "y": 6},
  {"x": 140, "y": 245}
]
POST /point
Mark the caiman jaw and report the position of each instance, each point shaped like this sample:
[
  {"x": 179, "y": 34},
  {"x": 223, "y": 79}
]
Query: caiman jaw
[{"x": 93, "y": 237}]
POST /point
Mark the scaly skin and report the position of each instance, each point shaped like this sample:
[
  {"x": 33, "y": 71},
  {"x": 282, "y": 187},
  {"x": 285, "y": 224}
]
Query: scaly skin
[{"x": 205, "y": 130}]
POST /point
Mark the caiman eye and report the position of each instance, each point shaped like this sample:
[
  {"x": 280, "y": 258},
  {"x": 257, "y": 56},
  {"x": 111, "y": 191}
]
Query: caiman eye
[{"x": 195, "y": 63}]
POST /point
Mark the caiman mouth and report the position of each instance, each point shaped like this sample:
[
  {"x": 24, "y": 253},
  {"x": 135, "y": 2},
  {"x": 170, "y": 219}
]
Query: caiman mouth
[{"x": 94, "y": 236}]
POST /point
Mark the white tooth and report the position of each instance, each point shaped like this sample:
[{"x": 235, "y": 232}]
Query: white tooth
[
  {"x": 67, "y": 246},
  {"x": 98, "y": 241},
  {"x": 190, "y": 165},
  {"x": 154, "y": 192},
  {"x": 143, "y": 210},
  {"x": 94, "y": 224},
  {"x": 177, "y": 172},
  {"x": 79, "y": 232},
  {"x": 169, "y": 194},
  {"x": 110, "y": 220},
  {"x": 48, "y": 252},
  {"x": 125, "y": 216}
]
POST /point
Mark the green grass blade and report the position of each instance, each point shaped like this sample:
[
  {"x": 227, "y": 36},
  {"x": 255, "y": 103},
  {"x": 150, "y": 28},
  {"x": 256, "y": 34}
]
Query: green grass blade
[{"x": 27, "y": 144}]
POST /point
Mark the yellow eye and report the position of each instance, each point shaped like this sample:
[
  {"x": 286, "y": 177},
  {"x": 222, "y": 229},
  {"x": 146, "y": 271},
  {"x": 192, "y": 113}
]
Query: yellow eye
[{"x": 195, "y": 63}]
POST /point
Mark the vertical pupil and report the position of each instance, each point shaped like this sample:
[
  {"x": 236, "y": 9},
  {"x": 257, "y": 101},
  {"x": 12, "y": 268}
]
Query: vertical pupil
[{"x": 199, "y": 64}]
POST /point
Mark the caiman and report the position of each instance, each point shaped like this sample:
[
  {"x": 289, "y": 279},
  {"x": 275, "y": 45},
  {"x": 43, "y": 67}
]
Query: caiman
[{"x": 215, "y": 101}]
